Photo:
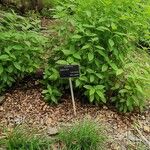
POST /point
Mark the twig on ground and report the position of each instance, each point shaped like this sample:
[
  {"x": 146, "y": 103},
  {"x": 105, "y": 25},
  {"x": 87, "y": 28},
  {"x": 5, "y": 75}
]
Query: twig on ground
[{"x": 143, "y": 137}]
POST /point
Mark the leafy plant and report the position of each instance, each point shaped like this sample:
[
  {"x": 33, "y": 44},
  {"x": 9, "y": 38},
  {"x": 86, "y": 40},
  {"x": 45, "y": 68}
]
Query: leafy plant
[
  {"x": 99, "y": 36},
  {"x": 52, "y": 94},
  {"x": 21, "y": 48},
  {"x": 86, "y": 135},
  {"x": 133, "y": 86}
]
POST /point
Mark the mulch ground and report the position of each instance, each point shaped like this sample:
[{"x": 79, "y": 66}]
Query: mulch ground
[{"x": 26, "y": 105}]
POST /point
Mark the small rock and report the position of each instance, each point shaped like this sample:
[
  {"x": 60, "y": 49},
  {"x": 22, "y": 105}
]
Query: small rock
[
  {"x": 146, "y": 129},
  {"x": 2, "y": 99},
  {"x": 49, "y": 121},
  {"x": 52, "y": 131},
  {"x": 143, "y": 117},
  {"x": 105, "y": 107},
  {"x": 1, "y": 108},
  {"x": 36, "y": 83},
  {"x": 18, "y": 120}
]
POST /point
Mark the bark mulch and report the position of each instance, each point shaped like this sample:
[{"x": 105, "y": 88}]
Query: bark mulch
[{"x": 27, "y": 106}]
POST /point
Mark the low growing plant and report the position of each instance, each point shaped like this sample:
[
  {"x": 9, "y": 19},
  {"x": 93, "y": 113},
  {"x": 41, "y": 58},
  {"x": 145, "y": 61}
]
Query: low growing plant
[
  {"x": 21, "y": 138},
  {"x": 86, "y": 135}
]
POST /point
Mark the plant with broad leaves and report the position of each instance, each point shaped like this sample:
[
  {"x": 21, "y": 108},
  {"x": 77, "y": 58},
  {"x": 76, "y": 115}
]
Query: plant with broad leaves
[
  {"x": 99, "y": 36},
  {"x": 21, "y": 48}
]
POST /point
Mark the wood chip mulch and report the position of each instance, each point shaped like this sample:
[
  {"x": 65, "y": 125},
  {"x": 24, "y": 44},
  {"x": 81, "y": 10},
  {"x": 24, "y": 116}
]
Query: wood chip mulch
[{"x": 27, "y": 106}]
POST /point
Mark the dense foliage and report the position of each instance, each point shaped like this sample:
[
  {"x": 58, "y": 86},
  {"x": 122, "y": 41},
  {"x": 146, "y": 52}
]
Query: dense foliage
[
  {"x": 21, "y": 48},
  {"x": 102, "y": 37}
]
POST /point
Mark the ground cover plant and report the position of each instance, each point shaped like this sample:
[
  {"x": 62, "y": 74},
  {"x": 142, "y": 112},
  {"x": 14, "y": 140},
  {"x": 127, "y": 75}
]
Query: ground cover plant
[
  {"x": 85, "y": 135},
  {"x": 102, "y": 37},
  {"x": 21, "y": 48},
  {"x": 22, "y": 138}
]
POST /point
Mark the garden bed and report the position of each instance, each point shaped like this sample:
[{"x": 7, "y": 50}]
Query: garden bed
[{"x": 25, "y": 105}]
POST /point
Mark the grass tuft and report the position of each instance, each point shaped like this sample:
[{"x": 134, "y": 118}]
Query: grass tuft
[
  {"x": 20, "y": 138},
  {"x": 86, "y": 135}
]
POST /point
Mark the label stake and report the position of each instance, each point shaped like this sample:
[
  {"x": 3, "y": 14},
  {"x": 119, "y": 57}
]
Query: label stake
[
  {"x": 72, "y": 96},
  {"x": 70, "y": 71}
]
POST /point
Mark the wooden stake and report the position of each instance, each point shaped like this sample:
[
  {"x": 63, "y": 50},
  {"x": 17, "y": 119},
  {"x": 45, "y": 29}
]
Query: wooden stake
[{"x": 72, "y": 96}]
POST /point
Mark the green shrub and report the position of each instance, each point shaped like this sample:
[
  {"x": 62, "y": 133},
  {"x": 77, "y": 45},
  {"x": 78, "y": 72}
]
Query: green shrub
[
  {"x": 86, "y": 135},
  {"x": 24, "y": 139},
  {"x": 21, "y": 48},
  {"x": 99, "y": 36},
  {"x": 132, "y": 87}
]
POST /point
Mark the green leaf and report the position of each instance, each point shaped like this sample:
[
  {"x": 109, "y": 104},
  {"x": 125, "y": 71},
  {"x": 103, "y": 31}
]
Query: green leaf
[
  {"x": 54, "y": 99},
  {"x": 100, "y": 76},
  {"x": 67, "y": 52},
  {"x": 104, "y": 68},
  {"x": 88, "y": 26},
  {"x": 119, "y": 72},
  {"x": 52, "y": 77},
  {"x": 17, "y": 65},
  {"x": 95, "y": 39},
  {"x": 4, "y": 57},
  {"x": 136, "y": 100},
  {"x": 62, "y": 62},
  {"x": 70, "y": 60},
  {"x": 86, "y": 46},
  {"x": 91, "y": 98},
  {"x": 88, "y": 87},
  {"x": 111, "y": 42},
  {"x": 27, "y": 43},
  {"x": 139, "y": 88},
  {"x": 128, "y": 87},
  {"x": 117, "y": 86},
  {"x": 99, "y": 87},
  {"x": 92, "y": 91},
  {"x": 123, "y": 91},
  {"x": 92, "y": 78},
  {"x": 76, "y": 36},
  {"x": 101, "y": 95},
  {"x": 88, "y": 13},
  {"x": 90, "y": 56},
  {"x": 1, "y": 69},
  {"x": 77, "y": 55},
  {"x": 122, "y": 100},
  {"x": 84, "y": 78},
  {"x": 103, "y": 54},
  {"x": 129, "y": 102},
  {"x": 17, "y": 47},
  {"x": 90, "y": 70},
  {"x": 77, "y": 83},
  {"x": 100, "y": 47},
  {"x": 102, "y": 28},
  {"x": 113, "y": 26},
  {"x": 114, "y": 66},
  {"x": 31, "y": 69},
  {"x": 44, "y": 91}
]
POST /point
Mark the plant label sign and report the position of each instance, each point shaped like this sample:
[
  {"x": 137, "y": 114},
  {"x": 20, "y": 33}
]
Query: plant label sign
[{"x": 69, "y": 71}]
